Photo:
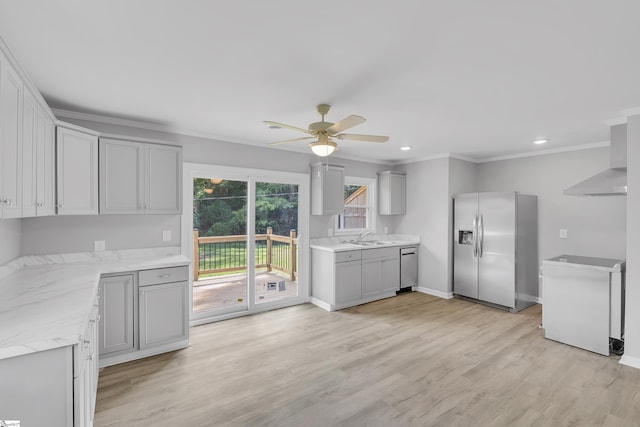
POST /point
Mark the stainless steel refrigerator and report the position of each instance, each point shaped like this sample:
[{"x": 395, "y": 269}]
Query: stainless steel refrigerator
[{"x": 496, "y": 249}]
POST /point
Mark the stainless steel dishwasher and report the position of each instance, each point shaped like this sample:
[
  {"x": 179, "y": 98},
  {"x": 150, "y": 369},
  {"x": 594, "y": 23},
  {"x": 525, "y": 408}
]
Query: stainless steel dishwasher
[{"x": 408, "y": 268}]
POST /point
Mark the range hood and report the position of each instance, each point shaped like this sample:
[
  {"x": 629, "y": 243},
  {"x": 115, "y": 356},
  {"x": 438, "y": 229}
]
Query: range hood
[{"x": 613, "y": 181}]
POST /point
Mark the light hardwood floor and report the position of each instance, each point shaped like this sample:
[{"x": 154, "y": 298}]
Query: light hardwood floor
[{"x": 412, "y": 360}]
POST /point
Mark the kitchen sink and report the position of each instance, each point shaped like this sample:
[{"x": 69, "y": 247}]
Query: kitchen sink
[{"x": 371, "y": 243}]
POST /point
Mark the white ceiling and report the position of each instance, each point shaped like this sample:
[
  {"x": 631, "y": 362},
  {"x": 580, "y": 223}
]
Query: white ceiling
[{"x": 478, "y": 78}]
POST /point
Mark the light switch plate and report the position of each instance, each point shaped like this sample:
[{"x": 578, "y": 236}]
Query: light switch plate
[
  {"x": 99, "y": 246},
  {"x": 563, "y": 233},
  {"x": 166, "y": 235}
]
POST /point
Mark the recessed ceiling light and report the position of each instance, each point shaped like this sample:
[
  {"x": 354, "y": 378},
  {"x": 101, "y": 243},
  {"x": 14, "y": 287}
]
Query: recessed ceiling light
[
  {"x": 540, "y": 141},
  {"x": 405, "y": 148}
]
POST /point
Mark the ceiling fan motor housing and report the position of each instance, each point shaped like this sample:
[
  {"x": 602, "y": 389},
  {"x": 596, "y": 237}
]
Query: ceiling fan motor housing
[{"x": 319, "y": 127}]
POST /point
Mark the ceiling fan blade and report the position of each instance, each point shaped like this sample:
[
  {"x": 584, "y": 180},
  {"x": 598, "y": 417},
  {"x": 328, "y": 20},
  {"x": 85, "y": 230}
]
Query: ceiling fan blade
[
  {"x": 292, "y": 140},
  {"x": 357, "y": 137},
  {"x": 282, "y": 125},
  {"x": 345, "y": 124}
]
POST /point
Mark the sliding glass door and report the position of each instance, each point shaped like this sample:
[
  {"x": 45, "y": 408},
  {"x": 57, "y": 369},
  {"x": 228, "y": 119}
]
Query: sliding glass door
[
  {"x": 220, "y": 244},
  {"x": 246, "y": 240},
  {"x": 276, "y": 249}
]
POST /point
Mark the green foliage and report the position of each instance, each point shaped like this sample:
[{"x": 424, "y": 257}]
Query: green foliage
[{"x": 224, "y": 211}]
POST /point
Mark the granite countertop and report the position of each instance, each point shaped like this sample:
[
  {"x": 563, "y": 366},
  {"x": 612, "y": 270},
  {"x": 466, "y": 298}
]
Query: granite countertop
[
  {"x": 45, "y": 301},
  {"x": 341, "y": 244}
]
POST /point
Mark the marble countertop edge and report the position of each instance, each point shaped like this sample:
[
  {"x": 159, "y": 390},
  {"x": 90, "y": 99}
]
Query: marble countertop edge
[{"x": 46, "y": 301}]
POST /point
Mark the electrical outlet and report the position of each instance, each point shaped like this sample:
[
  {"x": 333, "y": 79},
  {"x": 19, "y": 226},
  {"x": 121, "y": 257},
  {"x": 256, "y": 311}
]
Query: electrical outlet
[
  {"x": 386, "y": 230},
  {"x": 563, "y": 233},
  {"x": 330, "y": 232},
  {"x": 166, "y": 235},
  {"x": 99, "y": 246}
]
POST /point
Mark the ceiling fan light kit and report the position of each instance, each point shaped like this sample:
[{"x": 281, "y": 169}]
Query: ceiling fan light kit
[
  {"x": 323, "y": 148},
  {"x": 323, "y": 131}
]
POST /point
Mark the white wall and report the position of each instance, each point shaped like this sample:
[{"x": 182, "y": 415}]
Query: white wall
[
  {"x": 463, "y": 178},
  {"x": 64, "y": 234},
  {"x": 596, "y": 225},
  {"x": 428, "y": 216},
  {"x": 9, "y": 239},
  {"x": 632, "y": 321}
]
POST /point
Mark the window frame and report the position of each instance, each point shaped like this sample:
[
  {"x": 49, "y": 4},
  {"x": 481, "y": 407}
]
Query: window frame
[{"x": 371, "y": 184}]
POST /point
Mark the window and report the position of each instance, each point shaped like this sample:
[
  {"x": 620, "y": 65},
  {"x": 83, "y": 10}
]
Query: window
[{"x": 359, "y": 206}]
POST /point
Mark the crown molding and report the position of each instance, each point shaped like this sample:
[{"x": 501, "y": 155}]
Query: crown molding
[
  {"x": 631, "y": 112},
  {"x": 544, "y": 152},
  {"x": 423, "y": 159},
  {"x": 168, "y": 129},
  {"x": 142, "y": 125},
  {"x": 616, "y": 121}
]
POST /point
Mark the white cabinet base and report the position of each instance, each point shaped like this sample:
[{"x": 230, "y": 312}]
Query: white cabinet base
[
  {"x": 139, "y": 354},
  {"x": 334, "y": 307}
]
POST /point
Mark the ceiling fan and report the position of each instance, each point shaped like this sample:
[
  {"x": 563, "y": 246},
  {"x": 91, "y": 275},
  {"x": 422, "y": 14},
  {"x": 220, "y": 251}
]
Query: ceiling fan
[{"x": 322, "y": 132}]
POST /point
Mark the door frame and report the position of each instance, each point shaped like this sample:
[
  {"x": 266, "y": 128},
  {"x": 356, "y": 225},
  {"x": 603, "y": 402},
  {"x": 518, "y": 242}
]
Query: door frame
[{"x": 200, "y": 170}]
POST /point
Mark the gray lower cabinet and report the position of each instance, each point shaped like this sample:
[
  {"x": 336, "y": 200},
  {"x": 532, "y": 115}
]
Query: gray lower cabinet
[
  {"x": 345, "y": 279},
  {"x": 380, "y": 271},
  {"x": 117, "y": 314},
  {"x": 163, "y": 314},
  {"x": 348, "y": 277},
  {"x": 54, "y": 387},
  {"x": 143, "y": 313}
]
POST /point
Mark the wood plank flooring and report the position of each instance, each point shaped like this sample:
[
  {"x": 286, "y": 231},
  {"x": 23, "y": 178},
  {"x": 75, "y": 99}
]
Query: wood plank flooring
[
  {"x": 231, "y": 289},
  {"x": 412, "y": 360}
]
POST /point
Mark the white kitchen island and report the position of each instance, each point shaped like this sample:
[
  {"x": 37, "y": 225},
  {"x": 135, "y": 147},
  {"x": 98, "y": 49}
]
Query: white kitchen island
[{"x": 583, "y": 301}]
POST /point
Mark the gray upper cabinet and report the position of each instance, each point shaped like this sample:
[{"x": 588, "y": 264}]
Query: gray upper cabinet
[
  {"x": 27, "y": 141},
  {"x": 327, "y": 189},
  {"x": 163, "y": 179},
  {"x": 38, "y": 161},
  {"x": 11, "y": 96},
  {"x": 77, "y": 172},
  {"x": 140, "y": 178},
  {"x": 392, "y": 193}
]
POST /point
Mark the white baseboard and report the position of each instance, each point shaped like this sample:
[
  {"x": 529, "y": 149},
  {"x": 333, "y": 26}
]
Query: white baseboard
[
  {"x": 439, "y": 294},
  {"x": 634, "y": 362},
  {"x": 321, "y": 304},
  {"x": 139, "y": 354}
]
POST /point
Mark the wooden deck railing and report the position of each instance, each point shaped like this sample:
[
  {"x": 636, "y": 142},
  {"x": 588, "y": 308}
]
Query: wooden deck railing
[{"x": 219, "y": 254}]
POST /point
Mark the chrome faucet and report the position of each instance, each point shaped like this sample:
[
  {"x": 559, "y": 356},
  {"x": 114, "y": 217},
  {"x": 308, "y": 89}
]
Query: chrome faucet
[{"x": 364, "y": 234}]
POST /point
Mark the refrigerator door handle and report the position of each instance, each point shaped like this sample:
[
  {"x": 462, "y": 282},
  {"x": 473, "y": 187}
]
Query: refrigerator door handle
[
  {"x": 474, "y": 241},
  {"x": 480, "y": 236}
]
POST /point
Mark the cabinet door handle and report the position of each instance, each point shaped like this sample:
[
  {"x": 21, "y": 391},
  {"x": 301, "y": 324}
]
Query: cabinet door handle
[{"x": 163, "y": 276}]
